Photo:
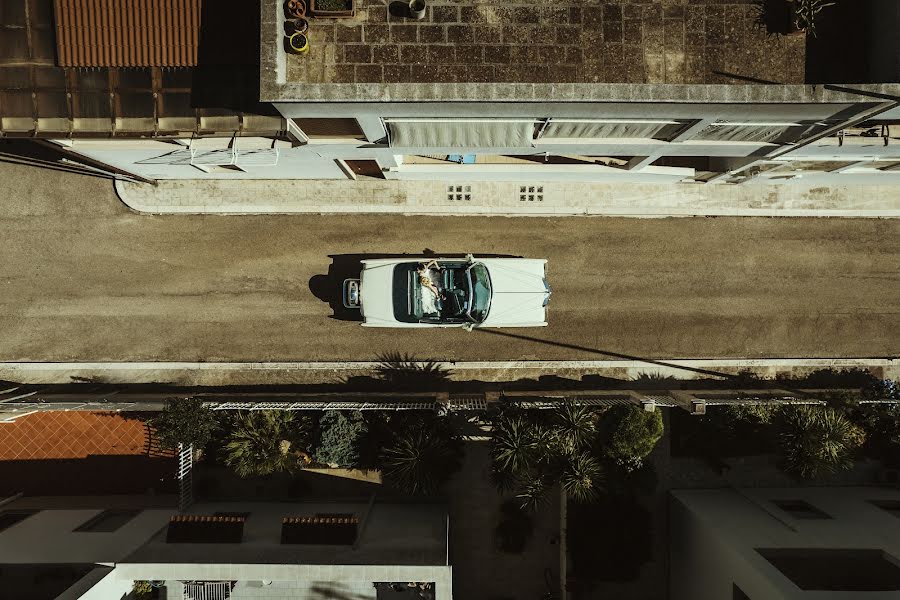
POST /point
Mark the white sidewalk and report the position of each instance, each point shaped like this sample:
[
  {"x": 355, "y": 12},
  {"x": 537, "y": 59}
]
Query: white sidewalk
[
  {"x": 511, "y": 199},
  {"x": 234, "y": 373}
]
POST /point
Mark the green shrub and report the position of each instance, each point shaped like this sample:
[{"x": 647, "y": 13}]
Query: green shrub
[
  {"x": 141, "y": 590},
  {"x": 341, "y": 438},
  {"x": 818, "y": 440},
  {"x": 266, "y": 442},
  {"x": 184, "y": 420},
  {"x": 421, "y": 459},
  {"x": 628, "y": 434}
]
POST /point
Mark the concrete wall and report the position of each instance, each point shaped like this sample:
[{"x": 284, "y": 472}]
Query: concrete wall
[{"x": 714, "y": 534}]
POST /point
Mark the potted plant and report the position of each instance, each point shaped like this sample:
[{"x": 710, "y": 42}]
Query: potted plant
[
  {"x": 804, "y": 13},
  {"x": 332, "y": 8},
  {"x": 300, "y": 25},
  {"x": 417, "y": 9},
  {"x": 295, "y": 9},
  {"x": 298, "y": 43}
]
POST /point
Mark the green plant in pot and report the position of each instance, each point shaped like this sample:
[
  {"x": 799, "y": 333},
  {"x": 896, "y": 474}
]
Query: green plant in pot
[
  {"x": 332, "y": 8},
  {"x": 805, "y": 12}
]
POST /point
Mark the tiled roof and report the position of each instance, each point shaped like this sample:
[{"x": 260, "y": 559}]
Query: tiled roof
[
  {"x": 72, "y": 434},
  {"x": 127, "y": 33}
]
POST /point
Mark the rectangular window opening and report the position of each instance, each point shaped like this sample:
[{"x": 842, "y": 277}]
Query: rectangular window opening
[
  {"x": 317, "y": 129},
  {"x": 800, "y": 509},
  {"x": 108, "y": 520},
  {"x": 8, "y": 518},
  {"x": 891, "y": 506},
  {"x": 839, "y": 570}
]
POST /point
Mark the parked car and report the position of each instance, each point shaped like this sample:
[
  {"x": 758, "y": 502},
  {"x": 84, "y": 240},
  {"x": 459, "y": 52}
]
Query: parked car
[{"x": 450, "y": 292}]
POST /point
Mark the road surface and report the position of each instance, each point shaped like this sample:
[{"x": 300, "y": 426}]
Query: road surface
[{"x": 85, "y": 279}]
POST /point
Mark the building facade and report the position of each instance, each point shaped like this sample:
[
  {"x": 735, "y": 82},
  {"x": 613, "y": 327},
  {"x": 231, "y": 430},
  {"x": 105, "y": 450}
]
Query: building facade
[
  {"x": 809, "y": 543},
  {"x": 96, "y": 548},
  {"x": 533, "y": 91}
]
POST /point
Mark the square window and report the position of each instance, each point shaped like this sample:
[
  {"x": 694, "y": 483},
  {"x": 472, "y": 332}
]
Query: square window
[
  {"x": 8, "y": 518},
  {"x": 522, "y": 189},
  {"x": 108, "y": 520},
  {"x": 836, "y": 569},
  {"x": 800, "y": 509}
]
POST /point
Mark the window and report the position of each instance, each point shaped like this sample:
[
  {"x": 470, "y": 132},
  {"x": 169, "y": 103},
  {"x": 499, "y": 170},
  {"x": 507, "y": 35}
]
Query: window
[
  {"x": 8, "y": 518},
  {"x": 840, "y": 570},
  {"x": 331, "y": 129},
  {"x": 108, "y": 520},
  {"x": 800, "y": 509},
  {"x": 891, "y": 506}
]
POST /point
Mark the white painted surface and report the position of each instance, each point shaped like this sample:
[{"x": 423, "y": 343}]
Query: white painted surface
[
  {"x": 714, "y": 534},
  {"x": 48, "y": 537}
]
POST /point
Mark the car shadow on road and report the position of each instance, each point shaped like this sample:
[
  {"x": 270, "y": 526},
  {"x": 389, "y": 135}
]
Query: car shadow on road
[{"x": 327, "y": 287}]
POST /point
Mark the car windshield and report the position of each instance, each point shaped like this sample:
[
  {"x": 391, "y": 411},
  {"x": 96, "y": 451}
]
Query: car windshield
[{"x": 479, "y": 292}]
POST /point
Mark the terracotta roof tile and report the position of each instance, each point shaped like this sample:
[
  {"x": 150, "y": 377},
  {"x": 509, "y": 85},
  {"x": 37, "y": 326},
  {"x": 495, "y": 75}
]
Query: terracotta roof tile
[{"x": 127, "y": 33}]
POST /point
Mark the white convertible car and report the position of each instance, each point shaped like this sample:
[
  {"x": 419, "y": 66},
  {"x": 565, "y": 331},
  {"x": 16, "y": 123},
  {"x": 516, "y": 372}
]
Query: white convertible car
[{"x": 450, "y": 292}]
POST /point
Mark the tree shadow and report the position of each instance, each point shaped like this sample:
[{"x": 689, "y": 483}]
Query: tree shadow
[{"x": 840, "y": 50}]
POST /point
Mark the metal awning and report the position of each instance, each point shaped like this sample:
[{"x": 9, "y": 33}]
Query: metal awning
[
  {"x": 460, "y": 133},
  {"x": 610, "y": 128}
]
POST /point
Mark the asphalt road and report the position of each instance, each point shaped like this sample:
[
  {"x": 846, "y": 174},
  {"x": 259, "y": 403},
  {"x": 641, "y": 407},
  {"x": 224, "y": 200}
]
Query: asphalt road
[{"x": 83, "y": 278}]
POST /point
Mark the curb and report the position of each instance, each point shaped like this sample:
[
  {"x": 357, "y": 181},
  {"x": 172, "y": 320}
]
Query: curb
[{"x": 232, "y": 373}]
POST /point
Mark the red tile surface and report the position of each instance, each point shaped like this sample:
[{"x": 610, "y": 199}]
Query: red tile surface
[
  {"x": 74, "y": 434},
  {"x": 127, "y": 33}
]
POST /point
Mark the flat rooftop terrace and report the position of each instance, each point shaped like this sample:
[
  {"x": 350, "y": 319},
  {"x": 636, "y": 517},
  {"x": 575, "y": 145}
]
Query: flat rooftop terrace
[{"x": 546, "y": 42}]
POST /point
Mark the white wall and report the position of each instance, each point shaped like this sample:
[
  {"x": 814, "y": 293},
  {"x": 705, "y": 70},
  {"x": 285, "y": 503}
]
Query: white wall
[
  {"x": 714, "y": 534},
  {"x": 48, "y": 537}
]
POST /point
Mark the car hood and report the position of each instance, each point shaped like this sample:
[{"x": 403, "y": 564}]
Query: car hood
[
  {"x": 519, "y": 292},
  {"x": 376, "y": 291}
]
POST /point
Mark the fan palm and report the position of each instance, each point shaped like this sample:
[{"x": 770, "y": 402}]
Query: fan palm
[
  {"x": 266, "y": 442},
  {"x": 517, "y": 445},
  {"x": 421, "y": 460},
  {"x": 533, "y": 493},
  {"x": 818, "y": 440},
  {"x": 574, "y": 426},
  {"x": 581, "y": 477}
]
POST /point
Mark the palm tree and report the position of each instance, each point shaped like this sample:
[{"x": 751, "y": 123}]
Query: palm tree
[
  {"x": 533, "y": 492},
  {"x": 266, "y": 442},
  {"x": 421, "y": 460},
  {"x": 581, "y": 477},
  {"x": 818, "y": 440},
  {"x": 574, "y": 426},
  {"x": 518, "y": 445}
]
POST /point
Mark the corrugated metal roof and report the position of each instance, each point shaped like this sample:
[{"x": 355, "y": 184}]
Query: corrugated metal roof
[{"x": 127, "y": 33}]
